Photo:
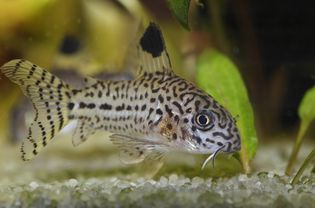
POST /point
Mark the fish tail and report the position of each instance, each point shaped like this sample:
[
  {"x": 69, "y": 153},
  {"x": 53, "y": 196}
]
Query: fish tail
[{"x": 50, "y": 97}]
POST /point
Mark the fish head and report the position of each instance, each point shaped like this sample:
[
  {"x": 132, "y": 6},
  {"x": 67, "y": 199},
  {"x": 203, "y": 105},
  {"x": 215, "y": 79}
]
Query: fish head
[{"x": 207, "y": 127}]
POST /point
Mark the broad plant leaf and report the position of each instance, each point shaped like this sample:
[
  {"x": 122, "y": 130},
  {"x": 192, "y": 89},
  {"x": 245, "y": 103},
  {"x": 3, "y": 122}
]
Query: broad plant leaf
[
  {"x": 307, "y": 115},
  {"x": 219, "y": 77},
  {"x": 180, "y": 9}
]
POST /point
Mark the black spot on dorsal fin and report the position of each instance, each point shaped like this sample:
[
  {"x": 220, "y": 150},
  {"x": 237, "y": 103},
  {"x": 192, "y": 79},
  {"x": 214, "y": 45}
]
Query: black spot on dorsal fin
[
  {"x": 152, "y": 40},
  {"x": 152, "y": 52}
]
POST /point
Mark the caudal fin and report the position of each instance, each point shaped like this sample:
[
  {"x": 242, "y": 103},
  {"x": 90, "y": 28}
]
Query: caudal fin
[{"x": 50, "y": 97}]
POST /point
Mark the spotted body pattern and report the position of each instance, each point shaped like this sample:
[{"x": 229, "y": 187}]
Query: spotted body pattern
[{"x": 155, "y": 113}]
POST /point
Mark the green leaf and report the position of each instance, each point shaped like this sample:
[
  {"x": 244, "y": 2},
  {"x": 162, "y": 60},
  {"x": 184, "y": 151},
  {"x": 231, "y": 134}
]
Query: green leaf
[
  {"x": 307, "y": 106},
  {"x": 180, "y": 9},
  {"x": 307, "y": 115},
  {"x": 219, "y": 77}
]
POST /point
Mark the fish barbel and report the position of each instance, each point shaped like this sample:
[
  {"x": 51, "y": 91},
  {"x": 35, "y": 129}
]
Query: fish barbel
[{"x": 157, "y": 112}]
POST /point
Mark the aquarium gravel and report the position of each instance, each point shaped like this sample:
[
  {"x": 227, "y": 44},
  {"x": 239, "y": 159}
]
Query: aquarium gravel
[
  {"x": 76, "y": 177},
  {"x": 257, "y": 190}
]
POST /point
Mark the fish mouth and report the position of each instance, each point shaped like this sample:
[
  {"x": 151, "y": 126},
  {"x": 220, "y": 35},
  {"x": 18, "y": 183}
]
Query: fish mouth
[{"x": 212, "y": 157}]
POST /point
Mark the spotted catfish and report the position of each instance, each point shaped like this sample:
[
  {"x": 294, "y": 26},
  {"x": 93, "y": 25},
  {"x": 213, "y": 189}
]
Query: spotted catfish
[{"x": 157, "y": 112}]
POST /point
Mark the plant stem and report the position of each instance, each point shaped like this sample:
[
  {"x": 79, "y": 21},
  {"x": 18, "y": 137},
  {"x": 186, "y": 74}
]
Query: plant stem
[
  {"x": 215, "y": 8},
  {"x": 303, "y": 167},
  {"x": 303, "y": 127},
  {"x": 246, "y": 165}
]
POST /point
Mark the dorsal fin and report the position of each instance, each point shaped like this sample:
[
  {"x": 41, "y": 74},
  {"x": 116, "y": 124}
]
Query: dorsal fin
[{"x": 152, "y": 51}]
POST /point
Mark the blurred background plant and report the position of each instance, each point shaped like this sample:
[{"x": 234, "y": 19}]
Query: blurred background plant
[
  {"x": 307, "y": 115},
  {"x": 270, "y": 43}
]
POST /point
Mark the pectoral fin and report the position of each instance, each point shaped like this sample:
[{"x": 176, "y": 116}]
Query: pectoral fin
[{"x": 133, "y": 150}]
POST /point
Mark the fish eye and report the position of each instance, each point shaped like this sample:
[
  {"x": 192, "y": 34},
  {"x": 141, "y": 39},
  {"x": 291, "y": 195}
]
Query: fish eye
[{"x": 204, "y": 120}]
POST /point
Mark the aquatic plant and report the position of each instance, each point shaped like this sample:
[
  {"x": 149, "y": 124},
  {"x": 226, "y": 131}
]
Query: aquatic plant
[{"x": 307, "y": 115}]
